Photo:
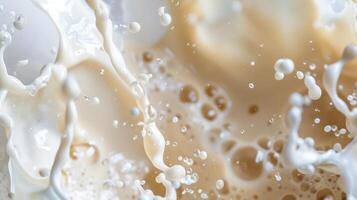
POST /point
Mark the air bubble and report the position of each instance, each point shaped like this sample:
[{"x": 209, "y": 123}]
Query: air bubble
[
  {"x": 221, "y": 103},
  {"x": 264, "y": 143},
  {"x": 244, "y": 165},
  {"x": 289, "y": 197},
  {"x": 208, "y": 112},
  {"x": 253, "y": 109},
  {"x": 297, "y": 176},
  {"x": 211, "y": 90},
  {"x": 278, "y": 146},
  {"x": 324, "y": 194},
  {"x": 188, "y": 94}
]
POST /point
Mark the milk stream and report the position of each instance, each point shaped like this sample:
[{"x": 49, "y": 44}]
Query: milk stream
[{"x": 213, "y": 129}]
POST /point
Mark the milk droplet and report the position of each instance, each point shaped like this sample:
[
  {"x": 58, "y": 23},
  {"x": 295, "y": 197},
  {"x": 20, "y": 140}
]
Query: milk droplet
[
  {"x": 337, "y": 147},
  {"x": 284, "y": 65},
  {"x": 314, "y": 90},
  {"x": 135, "y": 111},
  {"x": 134, "y": 27},
  {"x": 219, "y": 184},
  {"x": 96, "y": 100},
  {"x": 203, "y": 155},
  {"x": 279, "y": 76},
  {"x": 317, "y": 120},
  {"x": 115, "y": 123},
  {"x": 300, "y": 75},
  {"x": 19, "y": 22},
  {"x": 165, "y": 19}
]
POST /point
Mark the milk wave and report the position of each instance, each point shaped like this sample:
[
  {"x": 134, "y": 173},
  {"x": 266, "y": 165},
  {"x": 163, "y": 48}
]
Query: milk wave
[{"x": 102, "y": 50}]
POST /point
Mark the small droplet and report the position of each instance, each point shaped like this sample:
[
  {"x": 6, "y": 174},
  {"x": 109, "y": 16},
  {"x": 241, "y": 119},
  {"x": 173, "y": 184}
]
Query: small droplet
[
  {"x": 19, "y": 22},
  {"x": 203, "y": 155},
  {"x": 134, "y": 27},
  {"x": 219, "y": 184}
]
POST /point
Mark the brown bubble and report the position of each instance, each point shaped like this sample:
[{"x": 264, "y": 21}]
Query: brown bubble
[
  {"x": 188, "y": 94},
  {"x": 211, "y": 90},
  {"x": 214, "y": 135},
  {"x": 244, "y": 165},
  {"x": 147, "y": 57},
  {"x": 253, "y": 109},
  {"x": 278, "y": 146},
  {"x": 324, "y": 193},
  {"x": 343, "y": 196},
  {"x": 272, "y": 159},
  {"x": 313, "y": 190},
  {"x": 305, "y": 186},
  {"x": 225, "y": 190},
  {"x": 227, "y": 146},
  {"x": 208, "y": 112},
  {"x": 297, "y": 176},
  {"x": 264, "y": 143},
  {"x": 221, "y": 103},
  {"x": 289, "y": 197}
]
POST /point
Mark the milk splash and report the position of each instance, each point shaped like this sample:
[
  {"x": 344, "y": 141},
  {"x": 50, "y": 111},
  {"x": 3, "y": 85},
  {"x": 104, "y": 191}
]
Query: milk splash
[
  {"x": 300, "y": 152},
  {"x": 98, "y": 48}
]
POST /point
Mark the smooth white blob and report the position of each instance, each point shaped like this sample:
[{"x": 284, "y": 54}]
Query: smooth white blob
[
  {"x": 134, "y": 27},
  {"x": 165, "y": 19},
  {"x": 175, "y": 173},
  {"x": 203, "y": 155},
  {"x": 279, "y": 76},
  {"x": 19, "y": 22},
  {"x": 300, "y": 75},
  {"x": 219, "y": 184},
  {"x": 314, "y": 91},
  {"x": 284, "y": 65}
]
